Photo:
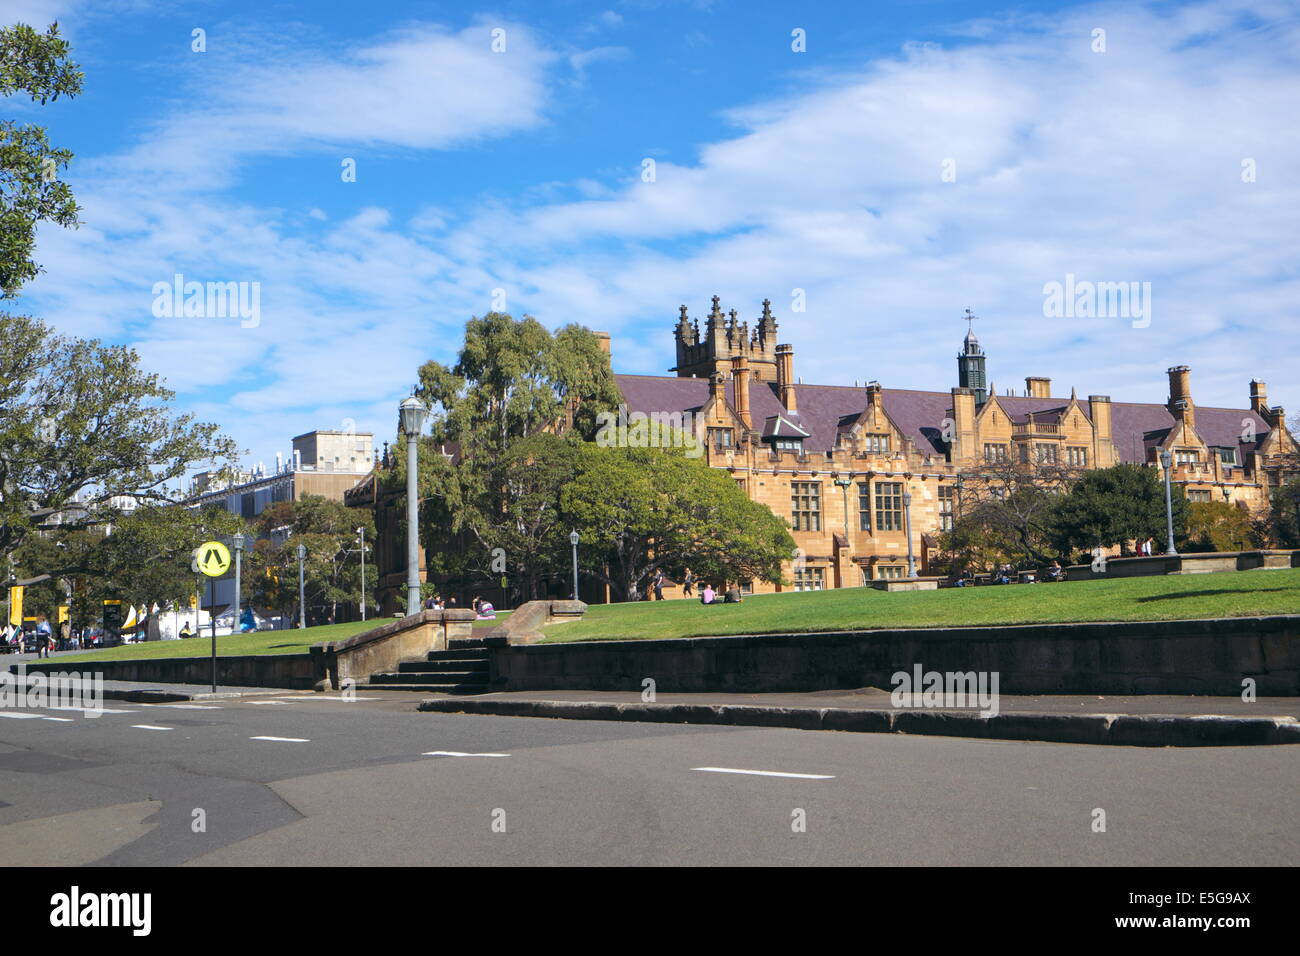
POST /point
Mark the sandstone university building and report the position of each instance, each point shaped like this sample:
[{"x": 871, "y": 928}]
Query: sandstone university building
[{"x": 835, "y": 461}]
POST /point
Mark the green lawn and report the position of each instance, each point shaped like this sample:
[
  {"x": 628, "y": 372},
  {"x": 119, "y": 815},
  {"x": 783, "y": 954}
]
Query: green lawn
[
  {"x": 238, "y": 645},
  {"x": 1225, "y": 594},
  {"x": 234, "y": 645}
]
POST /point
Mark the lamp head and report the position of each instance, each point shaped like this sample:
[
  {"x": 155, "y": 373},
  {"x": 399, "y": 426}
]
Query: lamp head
[{"x": 411, "y": 414}]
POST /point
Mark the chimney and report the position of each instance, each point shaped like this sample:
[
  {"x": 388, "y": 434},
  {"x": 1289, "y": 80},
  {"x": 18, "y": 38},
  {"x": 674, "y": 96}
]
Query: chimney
[
  {"x": 604, "y": 341},
  {"x": 785, "y": 376},
  {"x": 740, "y": 376},
  {"x": 1038, "y": 387},
  {"x": 1103, "y": 435},
  {"x": 1258, "y": 398},
  {"x": 1180, "y": 395}
]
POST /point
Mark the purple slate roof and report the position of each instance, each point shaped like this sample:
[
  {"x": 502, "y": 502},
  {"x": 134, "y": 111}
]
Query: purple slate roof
[{"x": 825, "y": 411}]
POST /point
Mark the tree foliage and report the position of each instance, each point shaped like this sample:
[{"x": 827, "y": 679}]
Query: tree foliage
[
  {"x": 490, "y": 504},
  {"x": 327, "y": 529},
  {"x": 1005, "y": 515},
  {"x": 81, "y": 428},
  {"x": 1116, "y": 505},
  {"x": 641, "y": 509},
  {"x": 30, "y": 193},
  {"x": 1219, "y": 526},
  {"x": 1283, "y": 522}
]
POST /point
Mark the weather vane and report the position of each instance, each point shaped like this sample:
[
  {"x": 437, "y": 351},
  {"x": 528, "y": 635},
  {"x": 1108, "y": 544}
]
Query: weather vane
[{"x": 970, "y": 317}]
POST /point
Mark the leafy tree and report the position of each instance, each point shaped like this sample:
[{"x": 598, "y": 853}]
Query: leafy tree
[
  {"x": 1116, "y": 505},
  {"x": 641, "y": 509},
  {"x": 35, "y": 64},
  {"x": 83, "y": 431},
  {"x": 490, "y": 505},
  {"x": 332, "y": 567},
  {"x": 513, "y": 379},
  {"x": 1283, "y": 523},
  {"x": 143, "y": 558},
  {"x": 1005, "y": 516},
  {"x": 1219, "y": 526}
]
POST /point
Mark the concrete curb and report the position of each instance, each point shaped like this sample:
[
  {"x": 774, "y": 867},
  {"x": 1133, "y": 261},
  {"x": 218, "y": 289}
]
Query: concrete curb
[
  {"x": 158, "y": 695},
  {"x": 1144, "y": 730}
]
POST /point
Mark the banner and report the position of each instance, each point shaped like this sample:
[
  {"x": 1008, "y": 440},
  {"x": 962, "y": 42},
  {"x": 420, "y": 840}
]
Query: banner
[{"x": 16, "y": 605}]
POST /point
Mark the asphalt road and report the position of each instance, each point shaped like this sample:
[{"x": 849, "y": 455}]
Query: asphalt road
[{"x": 373, "y": 782}]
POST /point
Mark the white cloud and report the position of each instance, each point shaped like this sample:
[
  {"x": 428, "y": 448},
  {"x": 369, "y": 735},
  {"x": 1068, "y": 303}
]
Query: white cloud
[{"x": 1116, "y": 166}]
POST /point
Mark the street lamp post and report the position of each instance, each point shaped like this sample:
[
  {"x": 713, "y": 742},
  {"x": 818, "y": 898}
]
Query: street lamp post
[
  {"x": 238, "y": 542},
  {"x": 573, "y": 540},
  {"x": 907, "y": 527},
  {"x": 361, "y": 533},
  {"x": 1167, "y": 461},
  {"x": 412, "y": 413},
  {"x": 302, "y": 589},
  {"x": 844, "y": 482}
]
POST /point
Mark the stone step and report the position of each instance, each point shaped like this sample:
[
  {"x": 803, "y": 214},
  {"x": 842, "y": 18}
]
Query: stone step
[
  {"x": 425, "y": 677},
  {"x": 428, "y": 688},
  {"x": 466, "y": 643},
  {"x": 456, "y": 653},
  {"x": 446, "y": 664}
]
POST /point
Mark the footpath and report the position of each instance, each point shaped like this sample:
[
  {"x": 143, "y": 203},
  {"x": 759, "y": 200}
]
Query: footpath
[{"x": 1142, "y": 721}]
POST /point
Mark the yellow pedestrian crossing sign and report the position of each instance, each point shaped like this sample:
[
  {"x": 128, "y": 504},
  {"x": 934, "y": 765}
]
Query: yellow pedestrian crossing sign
[{"x": 212, "y": 558}]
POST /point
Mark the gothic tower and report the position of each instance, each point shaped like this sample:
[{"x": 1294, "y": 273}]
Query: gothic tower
[
  {"x": 970, "y": 364},
  {"x": 725, "y": 337}
]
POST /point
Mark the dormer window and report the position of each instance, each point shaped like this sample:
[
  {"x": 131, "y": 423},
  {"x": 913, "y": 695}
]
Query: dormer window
[
  {"x": 788, "y": 444},
  {"x": 876, "y": 444}
]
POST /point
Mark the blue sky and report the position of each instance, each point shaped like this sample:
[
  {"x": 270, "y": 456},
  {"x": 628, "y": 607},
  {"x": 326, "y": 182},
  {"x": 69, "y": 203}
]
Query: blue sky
[{"x": 918, "y": 158}]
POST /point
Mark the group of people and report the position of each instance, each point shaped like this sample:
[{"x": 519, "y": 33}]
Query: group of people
[
  {"x": 43, "y": 638},
  {"x": 1006, "y": 574},
  {"x": 483, "y": 609},
  {"x": 659, "y": 580}
]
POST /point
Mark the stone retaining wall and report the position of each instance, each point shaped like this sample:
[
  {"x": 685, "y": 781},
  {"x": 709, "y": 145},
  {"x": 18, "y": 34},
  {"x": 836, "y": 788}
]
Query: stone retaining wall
[
  {"x": 1168, "y": 657},
  {"x": 290, "y": 671}
]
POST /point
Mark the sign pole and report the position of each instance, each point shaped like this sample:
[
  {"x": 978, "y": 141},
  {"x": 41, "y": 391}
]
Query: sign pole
[{"x": 213, "y": 559}]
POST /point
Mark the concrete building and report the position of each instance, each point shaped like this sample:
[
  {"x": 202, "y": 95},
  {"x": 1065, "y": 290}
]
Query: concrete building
[{"x": 324, "y": 463}]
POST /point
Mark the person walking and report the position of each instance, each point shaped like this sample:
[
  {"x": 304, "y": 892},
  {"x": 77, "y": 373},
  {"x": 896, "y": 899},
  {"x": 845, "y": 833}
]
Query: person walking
[
  {"x": 42, "y": 636},
  {"x": 659, "y": 584},
  {"x": 688, "y": 583}
]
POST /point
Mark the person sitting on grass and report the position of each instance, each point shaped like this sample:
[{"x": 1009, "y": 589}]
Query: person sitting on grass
[
  {"x": 707, "y": 595},
  {"x": 1056, "y": 572}
]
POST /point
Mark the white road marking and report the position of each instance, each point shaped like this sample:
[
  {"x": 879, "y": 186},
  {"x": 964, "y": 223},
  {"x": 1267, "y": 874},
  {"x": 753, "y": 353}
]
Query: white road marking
[
  {"x": 767, "y": 773},
  {"x": 263, "y": 703},
  {"x": 188, "y": 706},
  {"x": 323, "y": 697},
  {"x": 457, "y": 753},
  {"x": 149, "y": 727},
  {"x": 98, "y": 710},
  {"x": 66, "y": 720},
  {"x": 18, "y": 715},
  {"x": 284, "y": 740}
]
